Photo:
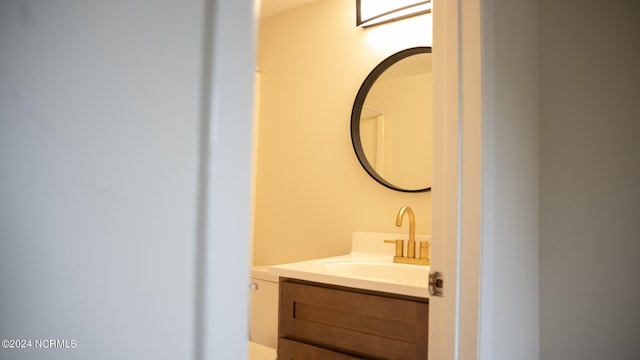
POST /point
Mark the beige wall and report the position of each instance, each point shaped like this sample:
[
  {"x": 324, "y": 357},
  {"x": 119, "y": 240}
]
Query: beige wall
[{"x": 311, "y": 192}]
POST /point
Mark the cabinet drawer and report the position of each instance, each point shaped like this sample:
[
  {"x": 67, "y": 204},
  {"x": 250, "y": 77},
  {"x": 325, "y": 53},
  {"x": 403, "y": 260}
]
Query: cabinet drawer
[
  {"x": 360, "y": 323},
  {"x": 293, "y": 350}
]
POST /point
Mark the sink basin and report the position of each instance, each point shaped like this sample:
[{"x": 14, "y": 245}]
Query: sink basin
[
  {"x": 362, "y": 272},
  {"x": 415, "y": 275},
  {"x": 369, "y": 266}
]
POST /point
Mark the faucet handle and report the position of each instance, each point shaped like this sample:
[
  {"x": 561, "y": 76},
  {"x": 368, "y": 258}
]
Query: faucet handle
[
  {"x": 424, "y": 250},
  {"x": 399, "y": 246}
]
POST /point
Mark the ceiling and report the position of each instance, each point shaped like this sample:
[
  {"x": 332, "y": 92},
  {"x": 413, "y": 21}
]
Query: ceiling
[{"x": 272, "y": 7}]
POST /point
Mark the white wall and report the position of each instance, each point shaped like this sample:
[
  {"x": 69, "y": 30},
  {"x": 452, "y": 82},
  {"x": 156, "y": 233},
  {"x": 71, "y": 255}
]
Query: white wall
[
  {"x": 510, "y": 306},
  {"x": 590, "y": 151},
  {"x": 99, "y": 113}
]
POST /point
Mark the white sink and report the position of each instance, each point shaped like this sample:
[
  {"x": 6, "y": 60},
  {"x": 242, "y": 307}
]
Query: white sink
[
  {"x": 415, "y": 275},
  {"x": 369, "y": 266}
]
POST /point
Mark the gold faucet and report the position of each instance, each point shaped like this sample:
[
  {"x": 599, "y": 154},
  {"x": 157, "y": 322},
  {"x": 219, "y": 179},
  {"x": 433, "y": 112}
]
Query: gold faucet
[
  {"x": 411, "y": 258},
  {"x": 411, "y": 244}
]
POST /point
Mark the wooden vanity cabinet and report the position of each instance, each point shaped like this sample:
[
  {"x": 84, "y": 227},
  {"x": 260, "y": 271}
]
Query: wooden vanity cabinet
[{"x": 319, "y": 321}]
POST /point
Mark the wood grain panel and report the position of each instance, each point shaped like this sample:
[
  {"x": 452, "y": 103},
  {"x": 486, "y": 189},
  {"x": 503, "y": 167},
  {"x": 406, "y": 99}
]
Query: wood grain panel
[{"x": 361, "y": 323}]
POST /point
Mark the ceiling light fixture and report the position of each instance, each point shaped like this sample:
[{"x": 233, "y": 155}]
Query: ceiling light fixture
[{"x": 375, "y": 12}]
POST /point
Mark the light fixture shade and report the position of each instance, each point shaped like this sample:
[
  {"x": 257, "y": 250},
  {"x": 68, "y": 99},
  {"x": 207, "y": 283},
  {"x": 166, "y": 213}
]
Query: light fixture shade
[{"x": 374, "y": 12}]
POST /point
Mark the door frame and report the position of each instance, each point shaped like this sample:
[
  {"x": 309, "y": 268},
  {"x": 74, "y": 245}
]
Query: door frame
[
  {"x": 458, "y": 184},
  {"x": 458, "y": 180},
  {"x": 225, "y": 180}
]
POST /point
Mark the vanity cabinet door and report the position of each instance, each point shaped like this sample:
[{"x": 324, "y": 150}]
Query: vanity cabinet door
[{"x": 362, "y": 324}]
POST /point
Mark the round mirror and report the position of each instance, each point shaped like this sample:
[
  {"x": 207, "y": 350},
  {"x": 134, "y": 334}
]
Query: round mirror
[{"x": 391, "y": 121}]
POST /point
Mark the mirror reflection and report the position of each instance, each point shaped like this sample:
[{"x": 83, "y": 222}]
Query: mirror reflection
[{"x": 392, "y": 121}]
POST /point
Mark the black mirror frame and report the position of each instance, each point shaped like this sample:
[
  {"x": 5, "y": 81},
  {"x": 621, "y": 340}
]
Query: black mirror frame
[{"x": 356, "y": 112}]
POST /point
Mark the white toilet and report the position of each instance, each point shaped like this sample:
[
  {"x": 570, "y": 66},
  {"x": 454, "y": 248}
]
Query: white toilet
[{"x": 263, "y": 316}]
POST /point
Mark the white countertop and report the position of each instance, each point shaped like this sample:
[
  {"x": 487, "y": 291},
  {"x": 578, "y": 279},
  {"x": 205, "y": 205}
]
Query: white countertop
[{"x": 368, "y": 266}]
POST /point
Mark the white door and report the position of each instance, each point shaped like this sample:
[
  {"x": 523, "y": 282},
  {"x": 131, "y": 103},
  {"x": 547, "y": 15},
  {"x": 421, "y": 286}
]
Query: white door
[{"x": 457, "y": 184}]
